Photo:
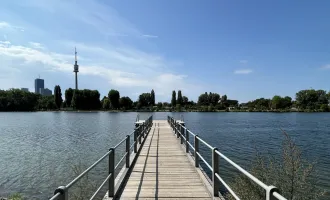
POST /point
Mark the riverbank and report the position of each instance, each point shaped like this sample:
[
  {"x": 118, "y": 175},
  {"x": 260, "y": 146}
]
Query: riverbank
[{"x": 219, "y": 111}]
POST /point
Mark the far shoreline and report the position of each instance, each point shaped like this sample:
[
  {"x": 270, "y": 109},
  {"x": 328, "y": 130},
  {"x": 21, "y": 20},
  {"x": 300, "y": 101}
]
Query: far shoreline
[{"x": 169, "y": 111}]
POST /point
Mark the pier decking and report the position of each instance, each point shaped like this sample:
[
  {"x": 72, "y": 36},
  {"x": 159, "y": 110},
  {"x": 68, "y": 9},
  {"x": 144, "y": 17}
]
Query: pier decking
[{"x": 163, "y": 170}]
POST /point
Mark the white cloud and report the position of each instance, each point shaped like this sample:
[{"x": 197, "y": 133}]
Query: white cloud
[
  {"x": 6, "y": 25},
  {"x": 150, "y": 36},
  {"x": 243, "y": 71},
  {"x": 36, "y": 45},
  {"x": 5, "y": 42},
  {"x": 243, "y": 61}
]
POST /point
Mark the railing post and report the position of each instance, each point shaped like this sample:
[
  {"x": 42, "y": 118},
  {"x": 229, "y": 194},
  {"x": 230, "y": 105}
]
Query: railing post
[
  {"x": 127, "y": 150},
  {"x": 135, "y": 140},
  {"x": 140, "y": 133},
  {"x": 111, "y": 183},
  {"x": 178, "y": 130},
  {"x": 174, "y": 127},
  {"x": 63, "y": 191},
  {"x": 269, "y": 192},
  {"x": 196, "y": 143},
  {"x": 181, "y": 134},
  {"x": 187, "y": 140},
  {"x": 215, "y": 167}
]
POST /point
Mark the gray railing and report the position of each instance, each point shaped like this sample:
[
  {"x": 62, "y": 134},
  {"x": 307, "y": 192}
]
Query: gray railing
[
  {"x": 62, "y": 192},
  {"x": 184, "y": 133}
]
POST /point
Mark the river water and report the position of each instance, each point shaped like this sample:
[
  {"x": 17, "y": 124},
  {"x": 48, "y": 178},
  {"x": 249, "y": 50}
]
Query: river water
[{"x": 40, "y": 151}]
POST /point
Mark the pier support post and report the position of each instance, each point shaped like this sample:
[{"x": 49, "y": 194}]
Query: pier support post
[
  {"x": 111, "y": 183},
  {"x": 215, "y": 167},
  {"x": 196, "y": 146},
  {"x": 127, "y": 150}
]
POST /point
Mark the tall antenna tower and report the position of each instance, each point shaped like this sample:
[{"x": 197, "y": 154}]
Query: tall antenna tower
[{"x": 76, "y": 67}]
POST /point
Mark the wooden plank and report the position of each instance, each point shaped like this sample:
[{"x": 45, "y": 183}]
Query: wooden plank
[{"x": 163, "y": 171}]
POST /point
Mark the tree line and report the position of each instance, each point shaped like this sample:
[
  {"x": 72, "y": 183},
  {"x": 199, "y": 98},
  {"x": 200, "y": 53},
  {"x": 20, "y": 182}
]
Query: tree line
[
  {"x": 17, "y": 100},
  {"x": 305, "y": 100}
]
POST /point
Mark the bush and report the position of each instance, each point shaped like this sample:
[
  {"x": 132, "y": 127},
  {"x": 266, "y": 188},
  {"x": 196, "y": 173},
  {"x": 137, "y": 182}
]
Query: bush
[
  {"x": 324, "y": 108},
  {"x": 290, "y": 173}
]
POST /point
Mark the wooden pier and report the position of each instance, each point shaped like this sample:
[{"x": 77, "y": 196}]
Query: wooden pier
[{"x": 163, "y": 170}]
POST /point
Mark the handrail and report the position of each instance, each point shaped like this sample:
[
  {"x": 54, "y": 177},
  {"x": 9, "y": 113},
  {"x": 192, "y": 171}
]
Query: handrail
[
  {"x": 61, "y": 193},
  {"x": 181, "y": 131},
  {"x": 87, "y": 170}
]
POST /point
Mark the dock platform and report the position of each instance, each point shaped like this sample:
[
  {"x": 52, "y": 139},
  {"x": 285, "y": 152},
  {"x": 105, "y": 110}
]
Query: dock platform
[{"x": 163, "y": 170}]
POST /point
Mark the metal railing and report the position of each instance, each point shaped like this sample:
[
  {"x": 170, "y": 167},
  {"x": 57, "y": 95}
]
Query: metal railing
[
  {"x": 184, "y": 133},
  {"x": 62, "y": 192}
]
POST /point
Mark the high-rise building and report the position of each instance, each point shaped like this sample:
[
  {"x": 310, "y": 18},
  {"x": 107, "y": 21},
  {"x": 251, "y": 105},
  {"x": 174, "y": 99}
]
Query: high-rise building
[
  {"x": 38, "y": 84},
  {"x": 76, "y": 67},
  {"x": 45, "y": 92},
  {"x": 25, "y": 89}
]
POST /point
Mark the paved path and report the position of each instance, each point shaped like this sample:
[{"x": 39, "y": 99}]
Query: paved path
[{"x": 163, "y": 171}]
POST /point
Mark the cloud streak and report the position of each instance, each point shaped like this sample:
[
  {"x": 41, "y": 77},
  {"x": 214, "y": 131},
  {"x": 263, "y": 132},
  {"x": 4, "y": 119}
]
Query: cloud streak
[
  {"x": 6, "y": 25},
  {"x": 243, "y": 71},
  {"x": 36, "y": 45},
  {"x": 150, "y": 36}
]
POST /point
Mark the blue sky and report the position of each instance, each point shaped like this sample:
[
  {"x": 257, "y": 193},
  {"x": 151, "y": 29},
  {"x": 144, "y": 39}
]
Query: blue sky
[{"x": 245, "y": 49}]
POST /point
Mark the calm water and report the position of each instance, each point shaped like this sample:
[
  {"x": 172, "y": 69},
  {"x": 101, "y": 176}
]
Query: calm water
[{"x": 40, "y": 151}]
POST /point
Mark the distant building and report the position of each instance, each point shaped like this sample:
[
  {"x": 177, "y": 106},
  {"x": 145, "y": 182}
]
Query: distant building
[
  {"x": 25, "y": 89},
  {"x": 45, "y": 92},
  {"x": 38, "y": 84}
]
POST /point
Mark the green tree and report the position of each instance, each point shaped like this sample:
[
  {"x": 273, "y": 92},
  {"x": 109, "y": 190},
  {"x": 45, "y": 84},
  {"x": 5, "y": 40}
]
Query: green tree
[
  {"x": 126, "y": 103},
  {"x": 179, "y": 100},
  {"x": 17, "y": 100},
  {"x": 68, "y": 96},
  {"x": 114, "y": 97},
  {"x": 311, "y": 99},
  {"x": 173, "y": 101},
  {"x": 276, "y": 102},
  {"x": 106, "y": 103},
  {"x": 86, "y": 100},
  {"x": 203, "y": 99},
  {"x": 185, "y": 100},
  {"x": 145, "y": 100},
  {"x": 324, "y": 108},
  {"x": 213, "y": 98},
  {"x": 159, "y": 105},
  {"x": 178, "y": 107},
  {"x": 58, "y": 96},
  {"x": 287, "y": 102},
  {"x": 152, "y": 97},
  {"x": 224, "y": 101},
  {"x": 46, "y": 103}
]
